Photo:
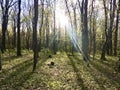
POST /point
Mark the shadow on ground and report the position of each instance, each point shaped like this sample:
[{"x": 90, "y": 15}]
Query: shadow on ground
[{"x": 80, "y": 81}]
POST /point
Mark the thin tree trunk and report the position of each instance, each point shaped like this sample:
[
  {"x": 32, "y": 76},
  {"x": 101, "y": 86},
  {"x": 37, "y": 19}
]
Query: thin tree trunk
[
  {"x": 72, "y": 45},
  {"x": 116, "y": 31},
  {"x": 112, "y": 15},
  {"x": 104, "y": 48},
  {"x": 94, "y": 38},
  {"x": 90, "y": 49},
  {"x": 0, "y": 61},
  {"x": 14, "y": 33},
  {"x": 28, "y": 37},
  {"x": 18, "y": 30},
  {"x": 54, "y": 41},
  {"x": 47, "y": 33}
]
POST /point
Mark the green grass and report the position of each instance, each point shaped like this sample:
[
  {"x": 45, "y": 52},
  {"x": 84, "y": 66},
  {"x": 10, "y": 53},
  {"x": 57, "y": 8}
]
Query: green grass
[{"x": 68, "y": 73}]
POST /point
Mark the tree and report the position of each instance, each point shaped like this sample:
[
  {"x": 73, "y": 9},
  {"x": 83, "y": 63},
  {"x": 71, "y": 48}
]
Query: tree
[
  {"x": 54, "y": 39},
  {"x": 84, "y": 25},
  {"x": 74, "y": 7},
  {"x": 90, "y": 31},
  {"x": 14, "y": 17},
  {"x": 5, "y": 5},
  {"x": 116, "y": 30},
  {"x": 41, "y": 24},
  {"x": 110, "y": 30},
  {"x": 47, "y": 25},
  {"x": 35, "y": 20},
  {"x": 69, "y": 14},
  {"x": 18, "y": 29},
  {"x": 0, "y": 61},
  {"x": 94, "y": 35},
  {"x": 104, "y": 48}
]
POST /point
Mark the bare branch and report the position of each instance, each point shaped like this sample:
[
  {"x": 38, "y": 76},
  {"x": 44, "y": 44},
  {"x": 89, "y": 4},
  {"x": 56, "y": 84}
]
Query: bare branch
[
  {"x": 10, "y": 5},
  {"x": 10, "y": 2},
  {"x": 68, "y": 11}
]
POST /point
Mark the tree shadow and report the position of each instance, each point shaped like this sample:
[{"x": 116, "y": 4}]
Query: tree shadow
[
  {"x": 109, "y": 63},
  {"x": 17, "y": 77},
  {"x": 90, "y": 70},
  {"x": 9, "y": 58},
  {"x": 107, "y": 72},
  {"x": 104, "y": 67},
  {"x": 80, "y": 81}
]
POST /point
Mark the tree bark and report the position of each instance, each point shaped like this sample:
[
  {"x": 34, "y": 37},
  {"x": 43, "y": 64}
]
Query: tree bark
[
  {"x": 54, "y": 35},
  {"x": 47, "y": 31},
  {"x": 85, "y": 43},
  {"x": 104, "y": 48},
  {"x": 18, "y": 30},
  {"x": 4, "y": 29},
  {"x": 116, "y": 30},
  {"x": 14, "y": 33},
  {"x": 41, "y": 25},
  {"x": 112, "y": 16},
  {"x": 35, "y": 20},
  {"x": 0, "y": 61},
  {"x": 90, "y": 32}
]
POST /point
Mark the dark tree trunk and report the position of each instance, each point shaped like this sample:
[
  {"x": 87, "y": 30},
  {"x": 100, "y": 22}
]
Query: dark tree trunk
[
  {"x": 94, "y": 37},
  {"x": 112, "y": 14},
  {"x": 47, "y": 32},
  {"x": 4, "y": 29},
  {"x": 35, "y": 20},
  {"x": 18, "y": 30},
  {"x": 14, "y": 33},
  {"x": 116, "y": 30},
  {"x": 104, "y": 51},
  {"x": 85, "y": 43},
  {"x": 104, "y": 48},
  {"x": 0, "y": 61}
]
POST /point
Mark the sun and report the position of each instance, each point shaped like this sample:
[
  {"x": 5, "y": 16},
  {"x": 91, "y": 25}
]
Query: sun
[{"x": 61, "y": 18}]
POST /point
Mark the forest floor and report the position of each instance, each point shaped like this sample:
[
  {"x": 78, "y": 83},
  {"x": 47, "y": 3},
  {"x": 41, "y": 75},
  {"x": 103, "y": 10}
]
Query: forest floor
[{"x": 70, "y": 72}]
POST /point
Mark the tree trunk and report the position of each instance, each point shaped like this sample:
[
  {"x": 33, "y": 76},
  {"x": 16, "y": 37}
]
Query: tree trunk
[
  {"x": 116, "y": 30},
  {"x": 14, "y": 33},
  {"x": 18, "y": 30},
  {"x": 35, "y": 20},
  {"x": 4, "y": 29},
  {"x": 47, "y": 30},
  {"x": 112, "y": 15},
  {"x": 94, "y": 37},
  {"x": 54, "y": 36},
  {"x": 0, "y": 61},
  {"x": 28, "y": 37},
  {"x": 104, "y": 48},
  {"x": 90, "y": 33},
  {"x": 85, "y": 43}
]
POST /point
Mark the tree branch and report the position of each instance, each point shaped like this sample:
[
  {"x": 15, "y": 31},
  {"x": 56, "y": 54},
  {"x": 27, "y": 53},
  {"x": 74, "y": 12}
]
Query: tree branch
[{"x": 11, "y": 4}]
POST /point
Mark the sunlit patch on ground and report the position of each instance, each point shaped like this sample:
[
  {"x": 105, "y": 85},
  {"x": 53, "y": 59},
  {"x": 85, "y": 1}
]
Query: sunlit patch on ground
[{"x": 67, "y": 73}]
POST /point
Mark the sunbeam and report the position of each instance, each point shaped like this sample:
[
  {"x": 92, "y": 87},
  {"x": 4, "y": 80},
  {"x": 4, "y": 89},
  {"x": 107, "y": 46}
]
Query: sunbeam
[{"x": 63, "y": 21}]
